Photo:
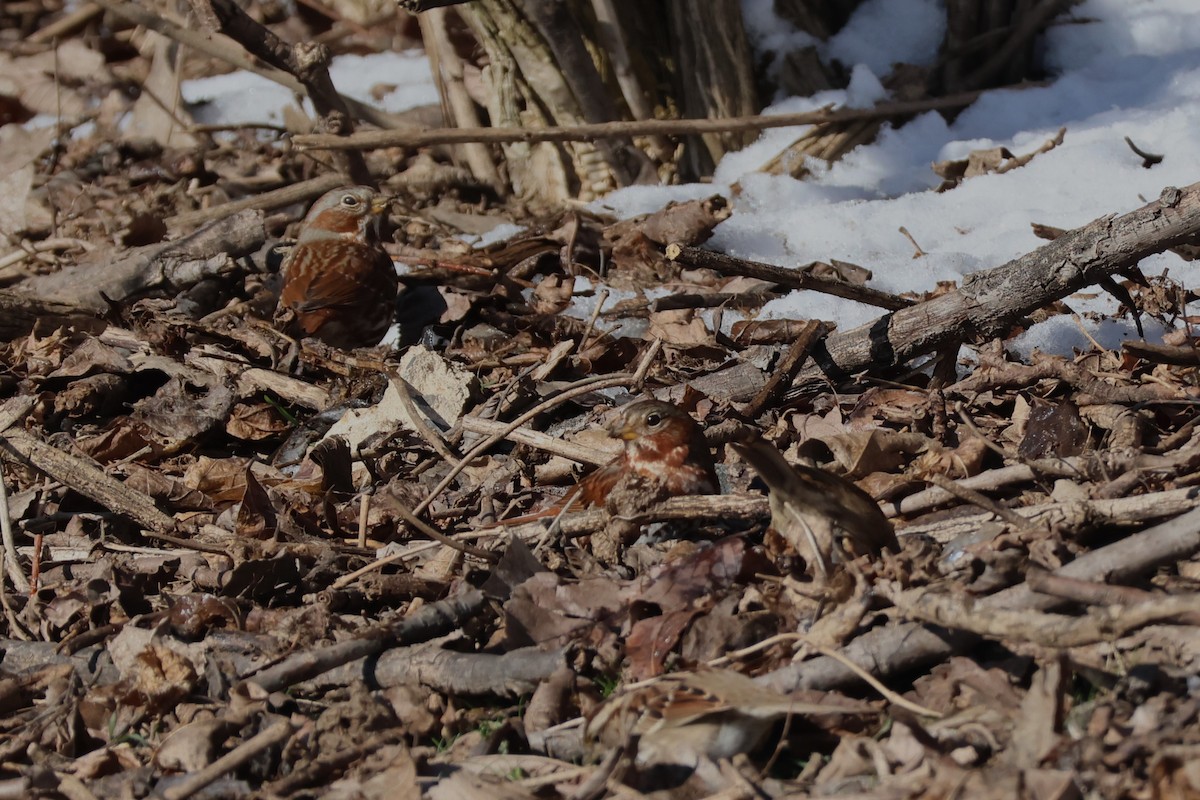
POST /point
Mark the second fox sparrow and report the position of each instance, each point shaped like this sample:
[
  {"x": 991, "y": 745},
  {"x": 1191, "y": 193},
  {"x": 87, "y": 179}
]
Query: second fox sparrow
[
  {"x": 339, "y": 285},
  {"x": 826, "y": 518},
  {"x": 664, "y": 448},
  {"x": 665, "y": 456}
]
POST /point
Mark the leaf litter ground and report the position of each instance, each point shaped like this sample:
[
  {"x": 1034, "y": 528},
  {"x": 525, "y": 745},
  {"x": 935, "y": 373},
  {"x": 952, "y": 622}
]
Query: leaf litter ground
[{"x": 207, "y": 594}]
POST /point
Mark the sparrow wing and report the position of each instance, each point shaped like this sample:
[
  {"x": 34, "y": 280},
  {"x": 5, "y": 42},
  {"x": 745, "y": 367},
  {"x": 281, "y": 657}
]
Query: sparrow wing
[{"x": 335, "y": 274}]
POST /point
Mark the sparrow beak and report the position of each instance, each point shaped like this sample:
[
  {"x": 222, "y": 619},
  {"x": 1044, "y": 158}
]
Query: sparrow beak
[
  {"x": 623, "y": 432},
  {"x": 375, "y": 219}
]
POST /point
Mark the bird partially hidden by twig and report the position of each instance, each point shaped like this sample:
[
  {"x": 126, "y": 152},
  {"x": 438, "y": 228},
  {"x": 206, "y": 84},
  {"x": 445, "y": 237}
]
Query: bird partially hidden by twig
[
  {"x": 825, "y": 518},
  {"x": 665, "y": 455}
]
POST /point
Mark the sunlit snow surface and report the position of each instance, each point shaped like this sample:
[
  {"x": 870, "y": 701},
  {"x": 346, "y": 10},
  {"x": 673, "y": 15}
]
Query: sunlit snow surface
[
  {"x": 241, "y": 97},
  {"x": 1127, "y": 68}
]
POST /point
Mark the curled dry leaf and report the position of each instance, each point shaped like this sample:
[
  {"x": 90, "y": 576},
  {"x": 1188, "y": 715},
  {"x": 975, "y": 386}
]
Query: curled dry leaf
[{"x": 689, "y": 716}]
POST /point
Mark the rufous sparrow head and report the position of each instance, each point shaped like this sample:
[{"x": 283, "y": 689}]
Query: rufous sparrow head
[
  {"x": 339, "y": 285},
  {"x": 665, "y": 455},
  {"x": 664, "y": 446}
]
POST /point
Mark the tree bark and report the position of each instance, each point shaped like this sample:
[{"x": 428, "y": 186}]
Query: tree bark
[
  {"x": 991, "y": 43},
  {"x": 552, "y": 63}
]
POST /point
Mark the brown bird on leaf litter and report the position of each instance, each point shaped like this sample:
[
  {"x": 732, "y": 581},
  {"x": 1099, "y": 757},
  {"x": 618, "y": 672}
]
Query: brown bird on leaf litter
[
  {"x": 339, "y": 285},
  {"x": 665, "y": 455},
  {"x": 824, "y": 517}
]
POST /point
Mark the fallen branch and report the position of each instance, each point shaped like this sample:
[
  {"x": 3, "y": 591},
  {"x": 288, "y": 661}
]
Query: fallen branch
[
  {"x": 1091, "y": 389},
  {"x": 742, "y": 508},
  {"x": 784, "y": 276},
  {"x": 697, "y": 508},
  {"x": 417, "y": 6},
  {"x": 21, "y": 314},
  {"x": 1093, "y": 466},
  {"x": 432, "y": 620},
  {"x": 194, "y": 782},
  {"x": 371, "y": 140},
  {"x": 990, "y": 301},
  {"x": 437, "y": 669},
  {"x": 542, "y": 441},
  {"x": 264, "y": 201},
  {"x": 961, "y": 612},
  {"x": 898, "y": 648},
  {"x": 980, "y": 500},
  {"x": 1099, "y": 593},
  {"x": 225, "y": 49},
  {"x": 1072, "y": 516},
  {"x": 308, "y": 61},
  {"x": 206, "y": 253},
  {"x": 797, "y": 353},
  {"x": 17, "y": 446}
]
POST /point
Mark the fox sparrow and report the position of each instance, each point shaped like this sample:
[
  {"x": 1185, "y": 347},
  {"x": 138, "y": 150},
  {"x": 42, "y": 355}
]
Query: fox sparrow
[
  {"x": 664, "y": 447},
  {"x": 339, "y": 286},
  {"x": 826, "y": 518},
  {"x": 665, "y": 456}
]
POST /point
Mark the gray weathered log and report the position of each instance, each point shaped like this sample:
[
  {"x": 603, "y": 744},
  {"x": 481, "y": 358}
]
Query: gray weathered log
[
  {"x": 207, "y": 253},
  {"x": 434, "y": 667},
  {"x": 990, "y": 301}
]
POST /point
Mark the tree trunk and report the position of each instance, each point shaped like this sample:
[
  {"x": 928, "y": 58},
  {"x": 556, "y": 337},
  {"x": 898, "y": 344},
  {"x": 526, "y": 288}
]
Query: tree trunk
[
  {"x": 991, "y": 43},
  {"x": 581, "y": 61}
]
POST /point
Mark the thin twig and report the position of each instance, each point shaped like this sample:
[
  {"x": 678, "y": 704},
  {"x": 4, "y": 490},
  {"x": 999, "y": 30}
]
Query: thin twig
[
  {"x": 438, "y": 536},
  {"x": 364, "y": 506},
  {"x": 982, "y": 501},
  {"x": 369, "y": 140},
  {"x": 27, "y": 251},
  {"x": 786, "y": 277},
  {"x": 426, "y": 431},
  {"x": 1148, "y": 159},
  {"x": 876, "y": 684},
  {"x": 71, "y": 22},
  {"x": 887, "y": 693},
  {"x": 601, "y": 299},
  {"x": 226, "y": 49},
  {"x": 582, "y": 454},
  {"x": 194, "y": 782},
  {"x": 639, "y": 376},
  {"x": 12, "y": 564},
  {"x": 276, "y": 198},
  {"x": 585, "y": 386},
  {"x": 787, "y": 367}
]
